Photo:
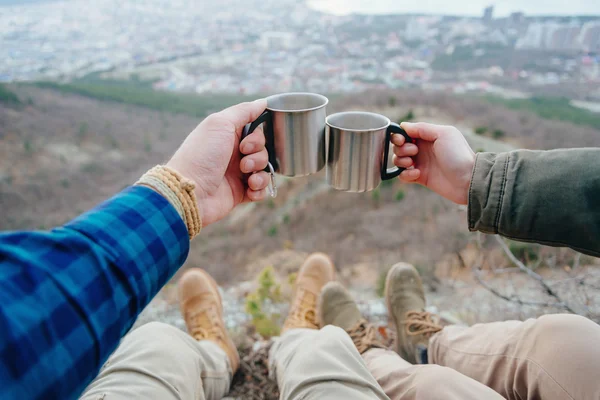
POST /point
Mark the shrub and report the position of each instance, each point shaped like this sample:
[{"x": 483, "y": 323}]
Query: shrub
[
  {"x": 272, "y": 231},
  {"x": 27, "y": 146},
  {"x": 380, "y": 288},
  {"x": 400, "y": 195},
  {"x": 480, "y": 150},
  {"x": 8, "y": 97},
  {"x": 112, "y": 142},
  {"x": 409, "y": 116},
  {"x": 267, "y": 293},
  {"x": 526, "y": 252},
  {"x": 83, "y": 129},
  {"x": 498, "y": 134},
  {"x": 388, "y": 183},
  {"x": 480, "y": 130},
  {"x": 376, "y": 195},
  {"x": 392, "y": 101},
  {"x": 286, "y": 219}
]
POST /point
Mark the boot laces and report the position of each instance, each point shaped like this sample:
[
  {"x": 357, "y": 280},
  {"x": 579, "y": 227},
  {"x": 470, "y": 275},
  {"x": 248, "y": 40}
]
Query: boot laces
[
  {"x": 205, "y": 325},
  {"x": 304, "y": 309},
  {"x": 421, "y": 323},
  {"x": 364, "y": 336}
]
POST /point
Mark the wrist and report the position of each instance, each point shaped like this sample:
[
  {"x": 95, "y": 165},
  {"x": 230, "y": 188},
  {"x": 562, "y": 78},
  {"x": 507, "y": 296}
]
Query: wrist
[
  {"x": 179, "y": 191},
  {"x": 466, "y": 181}
]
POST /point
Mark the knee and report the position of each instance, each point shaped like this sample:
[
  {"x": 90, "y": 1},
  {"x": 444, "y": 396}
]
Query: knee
[
  {"x": 437, "y": 378},
  {"x": 563, "y": 328},
  {"x": 574, "y": 335},
  {"x": 332, "y": 336},
  {"x": 154, "y": 337}
]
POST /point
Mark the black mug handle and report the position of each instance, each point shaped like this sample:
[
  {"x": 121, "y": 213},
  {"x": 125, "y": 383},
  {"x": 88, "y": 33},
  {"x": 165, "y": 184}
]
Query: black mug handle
[
  {"x": 390, "y": 173},
  {"x": 266, "y": 116}
]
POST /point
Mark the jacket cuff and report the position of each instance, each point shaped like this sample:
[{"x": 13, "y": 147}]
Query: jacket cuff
[{"x": 486, "y": 191}]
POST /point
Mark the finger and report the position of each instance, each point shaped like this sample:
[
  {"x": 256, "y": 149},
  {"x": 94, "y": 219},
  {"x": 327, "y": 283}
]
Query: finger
[
  {"x": 410, "y": 175},
  {"x": 403, "y": 162},
  {"x": 244, "y": 113},
  {"x": 398, "y": 140},
  {"x": 254, "y": 162},
  {"x": 258, "y": 181},
  {"x": 408, "y": 150},
  {"x": 422, "y": 130},
  {"x": 255, "y": 195},
  {"x": 254, "y": 142}
]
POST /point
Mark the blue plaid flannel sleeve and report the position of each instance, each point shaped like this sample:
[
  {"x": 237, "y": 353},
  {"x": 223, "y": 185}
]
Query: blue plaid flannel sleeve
[{"x": 68, "y": 296}]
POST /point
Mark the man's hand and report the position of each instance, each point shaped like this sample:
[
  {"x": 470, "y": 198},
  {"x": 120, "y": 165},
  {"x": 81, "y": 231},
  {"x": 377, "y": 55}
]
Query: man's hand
[
  {"x": 441, "y": 159},
  {"x": 210, "y": 156}
]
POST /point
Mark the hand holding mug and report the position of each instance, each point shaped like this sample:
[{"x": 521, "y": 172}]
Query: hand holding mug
[
  {"x": 210, "y": 157},
  {"x": 441, "y": 159}
]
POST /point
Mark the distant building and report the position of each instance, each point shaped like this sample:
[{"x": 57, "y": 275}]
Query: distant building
[
  {"x": 517, "y": 18},
  {"x": 589, "y": 37},
  {"x": 551, "y": 36},
  {"x": 488, "y": 14},
  {"x": 420, "y": 28},
  {"x": 563, "y": 37},
  {"x": 277, "y": 40}
]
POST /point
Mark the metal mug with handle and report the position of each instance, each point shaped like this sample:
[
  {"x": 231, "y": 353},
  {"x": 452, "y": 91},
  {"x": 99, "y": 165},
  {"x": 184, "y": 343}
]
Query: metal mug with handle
[
  {"x": 295, "y": 134},
  {"x": 358, "y": 150}
]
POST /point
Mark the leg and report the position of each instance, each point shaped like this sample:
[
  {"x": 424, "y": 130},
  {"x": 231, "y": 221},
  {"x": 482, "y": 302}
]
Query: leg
[
  {"x": 316, "y": 364},
  {"x": 398, "y": 378},
  {"x": 158, "y": 361},
  {"x": 402, "y": 380},
  {"x": 321, "y": 364},
  {"x": 552, "y": 357}
]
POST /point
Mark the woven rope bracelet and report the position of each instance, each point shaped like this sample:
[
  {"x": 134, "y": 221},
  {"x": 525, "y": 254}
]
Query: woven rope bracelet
[{"x": 179, "y": 191}]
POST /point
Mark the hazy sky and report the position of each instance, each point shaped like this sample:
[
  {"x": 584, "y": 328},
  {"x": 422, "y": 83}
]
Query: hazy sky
[{"x": 460, "y": 7}]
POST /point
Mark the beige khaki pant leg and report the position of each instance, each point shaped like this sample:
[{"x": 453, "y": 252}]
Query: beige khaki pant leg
[
  {"x": 158, "y": 361},
  {"x": 321, "y": 364},
  {"x": 401, "y": 380},
  {"x": 550, "y": 358}
]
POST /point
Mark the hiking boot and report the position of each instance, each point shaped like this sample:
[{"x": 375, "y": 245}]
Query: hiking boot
[
  {"x": 202, "y": 309},
  {"x": 405, "y": 299},
  {"x": 336, "y": 307},
  {"x": 316, "y": 271}
]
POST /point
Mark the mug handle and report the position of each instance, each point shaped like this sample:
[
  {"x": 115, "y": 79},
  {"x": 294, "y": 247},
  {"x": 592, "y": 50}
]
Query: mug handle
[
  {"x": 390, "y": 173},
  {"x": 266, "y": 116}
]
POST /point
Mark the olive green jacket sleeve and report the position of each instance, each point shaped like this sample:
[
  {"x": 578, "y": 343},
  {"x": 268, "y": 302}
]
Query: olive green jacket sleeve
[{"x": 548, "y": 197}]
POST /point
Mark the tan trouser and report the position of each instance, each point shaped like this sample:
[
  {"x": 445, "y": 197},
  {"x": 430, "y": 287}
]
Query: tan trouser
[
  {"x": 158, "y": 361},
  {"x": 321, "y": 364},
  {"x": 552, "y": 357}
]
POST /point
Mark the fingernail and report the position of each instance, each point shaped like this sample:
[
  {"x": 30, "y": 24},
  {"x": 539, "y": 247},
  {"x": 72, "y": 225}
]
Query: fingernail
[{"x": 249, "y": 165}]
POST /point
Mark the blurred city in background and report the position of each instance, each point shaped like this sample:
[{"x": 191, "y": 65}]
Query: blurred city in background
[{"x": 267, "y": 46}]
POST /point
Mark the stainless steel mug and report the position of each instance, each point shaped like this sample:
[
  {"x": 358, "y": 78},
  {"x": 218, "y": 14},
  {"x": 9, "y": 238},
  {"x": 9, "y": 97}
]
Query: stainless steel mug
[
  {"x": 358, "y": 150},
  {"x": 294, "y": 132}
]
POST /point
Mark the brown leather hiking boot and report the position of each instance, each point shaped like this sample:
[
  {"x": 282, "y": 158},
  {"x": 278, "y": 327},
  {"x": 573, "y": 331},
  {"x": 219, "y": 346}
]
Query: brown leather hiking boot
[
  {"x": 336, "y": 307},
  {"x": 202, "y": 309},
  {"x": 405, "y": 300},
  {"x": 316, "y": 271}
]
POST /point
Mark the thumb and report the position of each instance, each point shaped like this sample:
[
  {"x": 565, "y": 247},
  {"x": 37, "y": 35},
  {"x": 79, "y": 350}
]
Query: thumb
[
  {"x": 422, "y": 130},
  {"x": 244, "y": 113}
]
